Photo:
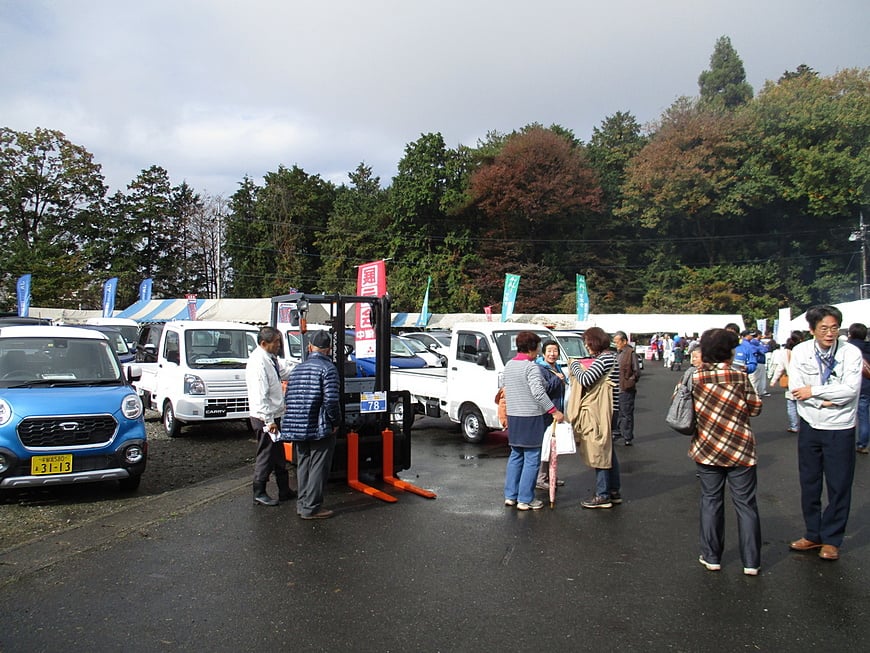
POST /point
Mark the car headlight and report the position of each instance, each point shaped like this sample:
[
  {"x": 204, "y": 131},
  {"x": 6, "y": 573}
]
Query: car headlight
[
  {"x": 131, "y": 407},
  {"x": 193, "y": 385},
  {"x": 4, "y": 463},
  {"x": 5, "y": 412}
]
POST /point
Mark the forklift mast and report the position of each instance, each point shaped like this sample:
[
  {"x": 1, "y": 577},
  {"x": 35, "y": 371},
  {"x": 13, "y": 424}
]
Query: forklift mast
[{"x": 297, "y": 309}]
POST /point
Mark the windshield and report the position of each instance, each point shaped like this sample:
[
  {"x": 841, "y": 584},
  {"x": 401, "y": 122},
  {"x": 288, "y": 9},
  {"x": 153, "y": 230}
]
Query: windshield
[
  {"x": 118, "y": 343},
  {"x": 218, "y": 347},
  {"x": 75, "y": 360},
  {"x": 507, "y": 342},
  {"x": 414, "y": 345},
  {"x": 400, "y": 348},
  {"x": 572, "y": 346},
  {"x": 130, "y": 333}
]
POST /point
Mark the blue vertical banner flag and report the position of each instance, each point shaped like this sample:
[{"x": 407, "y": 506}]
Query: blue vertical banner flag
[
  {"x": 22, "y": 288},
  {"x": 582, "y": 299},
  {"x": 145, "y": 290},
  {"x": 511, "y": 285},
  {"x": 109, "y": 290},
  {"x": 423, "y": 320}
]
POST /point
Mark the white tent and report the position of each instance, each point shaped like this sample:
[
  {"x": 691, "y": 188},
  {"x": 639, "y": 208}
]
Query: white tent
[{"x": 856, "y": 311}]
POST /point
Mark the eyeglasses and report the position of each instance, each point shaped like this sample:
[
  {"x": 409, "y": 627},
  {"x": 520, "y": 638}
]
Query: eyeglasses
[{"x": 825, "y": 328}]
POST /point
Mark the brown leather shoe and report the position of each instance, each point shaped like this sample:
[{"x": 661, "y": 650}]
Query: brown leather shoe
[
  {"x": 829, "y": 552},
  {"x": 804, "y": 544}
]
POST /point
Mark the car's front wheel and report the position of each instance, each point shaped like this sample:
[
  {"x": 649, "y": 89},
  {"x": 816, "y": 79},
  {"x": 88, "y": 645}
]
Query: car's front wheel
[
  {"x": 170, "y": 424},
  {"x": 472, "y": 424}
]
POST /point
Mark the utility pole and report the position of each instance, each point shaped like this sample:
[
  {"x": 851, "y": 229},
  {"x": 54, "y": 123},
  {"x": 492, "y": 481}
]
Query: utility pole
[{"x": 864, "y": 275}]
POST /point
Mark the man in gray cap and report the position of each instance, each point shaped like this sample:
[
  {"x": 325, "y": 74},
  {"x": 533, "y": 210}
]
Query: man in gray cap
[{"x": 311, "y": 418}]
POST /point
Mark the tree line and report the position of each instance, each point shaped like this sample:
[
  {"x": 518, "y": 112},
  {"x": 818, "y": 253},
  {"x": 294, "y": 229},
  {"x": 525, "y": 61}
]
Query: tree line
[{"x": 730, "y": 202}]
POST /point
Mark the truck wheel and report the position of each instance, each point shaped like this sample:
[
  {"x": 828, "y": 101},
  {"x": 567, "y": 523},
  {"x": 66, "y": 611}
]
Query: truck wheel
[
  {"x": 130, "y": 484},
  {"x": 171, "y": 425},
  {"x": 473, "y": 427},
  {"x": 397, "y": 412}
]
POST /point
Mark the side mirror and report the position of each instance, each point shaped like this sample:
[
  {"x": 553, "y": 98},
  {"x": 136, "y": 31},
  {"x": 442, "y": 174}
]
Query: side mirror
[
  {"x": 134, "y": 373},
  {"x": 483, "y": 359}
]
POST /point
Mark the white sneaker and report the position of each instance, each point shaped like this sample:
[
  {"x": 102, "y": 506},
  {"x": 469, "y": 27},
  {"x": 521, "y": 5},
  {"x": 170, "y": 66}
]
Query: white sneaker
[
  {"x": 750, "y": 571},
  {"x": 510, "y": 502},
  {"x": 711, "y": 566},
  {"x": 536, "y": 504}
]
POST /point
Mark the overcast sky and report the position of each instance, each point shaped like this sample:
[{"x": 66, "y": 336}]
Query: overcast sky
[{"x": 213, "y": 90}]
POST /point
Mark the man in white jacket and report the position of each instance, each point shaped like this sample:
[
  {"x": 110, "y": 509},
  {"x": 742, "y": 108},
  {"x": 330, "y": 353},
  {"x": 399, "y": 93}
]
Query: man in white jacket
[
  {"x": 824, "y": 377},
  {"x": 263, "y": 376}
]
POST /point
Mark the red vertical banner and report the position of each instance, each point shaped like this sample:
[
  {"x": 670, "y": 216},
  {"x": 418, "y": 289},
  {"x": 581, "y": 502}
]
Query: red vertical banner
[
  {"x": 488, "y": 311},
  {"x": 371, "y": 281},
  {"x": 191, "y": 306}
]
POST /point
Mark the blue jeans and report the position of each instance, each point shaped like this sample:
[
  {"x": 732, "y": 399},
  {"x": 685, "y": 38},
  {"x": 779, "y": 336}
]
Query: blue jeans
[
  {"x": 522, "y": 473},
  {"x": 607, "y": 480},
  {"x": 864, "y": 420},
  {"x": 826, "y": 457}
]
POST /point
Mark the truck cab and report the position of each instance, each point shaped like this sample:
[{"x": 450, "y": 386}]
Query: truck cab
[{"x": 198, "y": 372}]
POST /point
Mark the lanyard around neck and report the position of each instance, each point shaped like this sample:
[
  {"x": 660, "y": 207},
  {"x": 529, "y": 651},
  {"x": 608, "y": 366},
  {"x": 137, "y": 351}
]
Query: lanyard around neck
[{"x": 826, "y": 365}]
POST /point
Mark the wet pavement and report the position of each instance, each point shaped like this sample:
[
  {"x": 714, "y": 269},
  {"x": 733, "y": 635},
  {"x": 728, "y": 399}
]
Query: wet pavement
[{"x": 203, "y": 569}]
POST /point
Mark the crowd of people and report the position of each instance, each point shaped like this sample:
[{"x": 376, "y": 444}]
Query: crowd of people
[
  {"x": 826, "y": 386},
  {"x": 826, "y": 382}
]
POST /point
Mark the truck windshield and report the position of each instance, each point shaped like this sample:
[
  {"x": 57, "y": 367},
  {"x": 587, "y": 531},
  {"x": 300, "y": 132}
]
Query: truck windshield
[
  {"x": 74, "y": 360},
  {"x": 218, "y": 347},
  {"x": 507, "y": 342}
]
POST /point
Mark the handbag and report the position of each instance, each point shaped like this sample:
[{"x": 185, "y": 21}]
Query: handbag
[
  {"x": 681, "y": 412},
  {"x": 564, "y": 440},
  {"x": 783, "y": 380}
]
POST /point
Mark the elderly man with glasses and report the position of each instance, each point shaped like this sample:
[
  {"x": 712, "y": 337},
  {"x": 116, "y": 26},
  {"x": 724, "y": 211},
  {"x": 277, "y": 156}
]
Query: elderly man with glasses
[{"x": 824, "y": 377}]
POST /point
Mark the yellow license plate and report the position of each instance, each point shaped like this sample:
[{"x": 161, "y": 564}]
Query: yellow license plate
[{"x": 59, "y": 464}]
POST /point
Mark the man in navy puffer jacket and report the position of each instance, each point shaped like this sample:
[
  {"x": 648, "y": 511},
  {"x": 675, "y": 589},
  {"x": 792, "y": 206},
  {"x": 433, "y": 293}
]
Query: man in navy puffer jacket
[{"x": 311, "y": 419}]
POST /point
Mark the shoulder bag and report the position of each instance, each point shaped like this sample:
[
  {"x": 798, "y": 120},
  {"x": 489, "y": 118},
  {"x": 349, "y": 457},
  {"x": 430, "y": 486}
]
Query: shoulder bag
[{"x": 681, "y": 413}]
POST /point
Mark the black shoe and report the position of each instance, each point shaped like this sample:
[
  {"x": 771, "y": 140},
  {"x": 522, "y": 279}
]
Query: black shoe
[
  {"x": 264, "y": 499},
  {"x": 286, "y": 496},
  {"x": 628, "y": 443}
]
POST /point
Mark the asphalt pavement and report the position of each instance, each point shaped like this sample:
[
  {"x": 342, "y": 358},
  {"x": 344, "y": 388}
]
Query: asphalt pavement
[{"x": 203, "y": 569}]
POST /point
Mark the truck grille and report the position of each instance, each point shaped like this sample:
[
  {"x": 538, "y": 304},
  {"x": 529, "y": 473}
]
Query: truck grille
[
  {"x": 237, "y": 387},
  {"x": 68, "y": 431},
  {"x": 233, "y": 404}
]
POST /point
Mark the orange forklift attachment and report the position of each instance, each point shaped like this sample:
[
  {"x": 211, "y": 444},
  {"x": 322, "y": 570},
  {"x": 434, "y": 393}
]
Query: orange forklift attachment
[
  {"x": 389, "y": 479},
  {"x": 353, "y": 470}
]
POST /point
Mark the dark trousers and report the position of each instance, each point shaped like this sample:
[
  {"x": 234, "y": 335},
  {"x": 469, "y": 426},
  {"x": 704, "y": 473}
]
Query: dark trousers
[
  {"x": 742, "y": 481},
  {"x": 626, "y": 413},
  {"x": 270, "y": 457},
  {"x": 313, "y": 462},
  {"x": 828, "y": 454}
]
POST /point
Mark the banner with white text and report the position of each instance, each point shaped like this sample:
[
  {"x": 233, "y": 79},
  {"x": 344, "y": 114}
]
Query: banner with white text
[
  {"x": 511, "y": 285},
  {"x": 582, "y": 299},
  {"x": 110, "y": 288},
  {"x": 371, "y": 281},
  {"x": 22, "y": 288}
]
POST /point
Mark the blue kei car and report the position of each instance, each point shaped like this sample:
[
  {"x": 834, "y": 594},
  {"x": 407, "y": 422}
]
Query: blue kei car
[{"x": 68, "y": 413}]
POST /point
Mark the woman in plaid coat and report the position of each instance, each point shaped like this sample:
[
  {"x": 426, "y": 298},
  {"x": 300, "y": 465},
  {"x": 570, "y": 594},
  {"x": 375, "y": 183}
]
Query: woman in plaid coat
[{"x": 724, "y": 450}]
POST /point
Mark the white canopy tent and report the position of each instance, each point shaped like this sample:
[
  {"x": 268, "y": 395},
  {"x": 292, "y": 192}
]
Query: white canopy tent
[
  {"x": 856, "y": 311},
  {"x": 257, "y": 311}
]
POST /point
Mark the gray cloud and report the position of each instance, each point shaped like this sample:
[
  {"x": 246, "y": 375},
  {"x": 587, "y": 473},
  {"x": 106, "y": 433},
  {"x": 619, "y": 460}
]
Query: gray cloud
[{"x": 215, "y": 90}]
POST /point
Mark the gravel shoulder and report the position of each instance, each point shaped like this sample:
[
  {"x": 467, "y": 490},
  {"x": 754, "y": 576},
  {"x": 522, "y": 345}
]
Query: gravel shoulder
[{"x": 199, "y": 454}]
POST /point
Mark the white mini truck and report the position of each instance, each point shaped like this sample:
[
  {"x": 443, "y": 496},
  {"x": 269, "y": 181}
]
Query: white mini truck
[{"x": 199, "y": 373}]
